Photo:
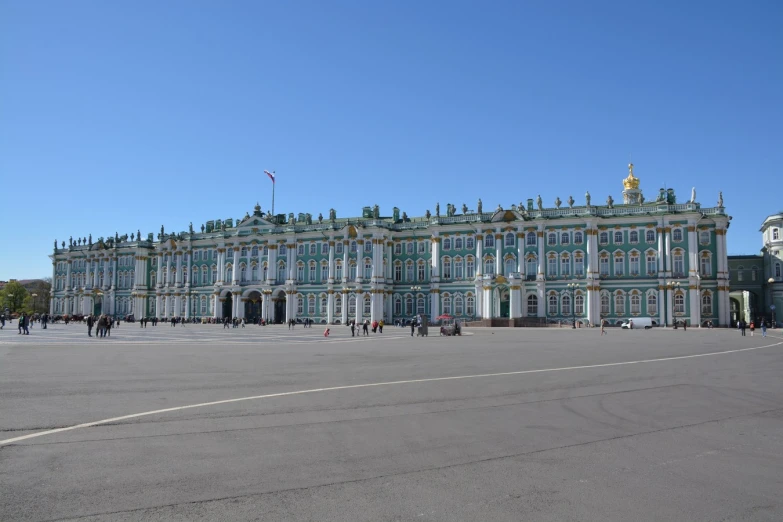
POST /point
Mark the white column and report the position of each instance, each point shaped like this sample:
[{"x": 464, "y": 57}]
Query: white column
[
  {"x": 661, "y": 308},
  {"x": 114, "y": 272},
  {"x": 168, "y": 268},
  {"x": 330, "y": 304},
  {"x": 158, "y": 305},
  {"x": 670, "y": 305},
  {"x": 159, "y": 281},
  {"x": 68, "y": 275},
  {"x": 359, "y": 307},
  {"x": 177, "y": 305},
  {"x": 479, "y": 257},
  {"x": 389, "y": 263},
  {"x": 331, "y": 265},
  {"x": 271, "y": 274},
  {"x": 96, "y": 280},
  {"x": 235, "y": 271},
  {"x": 434, "y": 303},
  {"x": 346, "y": 248},
  {"x": 216, "y": 306},
  {"x": 344, "y": 311},
  {"x": 435, "y": 259},
  {"x": 87, "y": 278},
  {"x": 106, "y": 282},
  {"x": 693, "y": 251},
  {"x": 541, "y": 256},
  {"x": 695, "y": 303},
  {"x": 291, "y": 262},
  {"x": 541, "y": 290},
  {"x": 521, "y": 253},
  {"x": 661, "y": 250},
  {"x": 668, "y": 250},
  {"x": 486, "y": 301},
  {"x": 178, "y": 277},
  {"x": 498, "y": 253}
]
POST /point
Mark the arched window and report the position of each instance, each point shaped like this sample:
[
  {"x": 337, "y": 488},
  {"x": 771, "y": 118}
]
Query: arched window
[
  {"x": 618, "y": 237},
  {"x": 470, "y": 306},
  {"x": 397, "y": 305},
  {"x": 551, "y": 239},
  {"x": 446, "y": 266},
  {"x": 458, "y": 271},
  {"x": 565, "y": 305},
  {"x": 603, "y": 238},
  {"x": 532, "y": 305},
  {"x": 214, "y": 274},
  {"x": 324, "y": 305},
  {"x": 489, "y": 266},
  {"x": 312, "y": 271},
  {"x": 564, "y": 238},
  {"x": 678, "y": 264},
  {"x": 652, "y": 304},
  {"x": 619, "y": 304},
  {"x": 677, "y": 234},
  {"x": 243, "y": 272},
  {"x": 511, "y": 266},
  {"x": 510, "y": 239},
  {"x": 446, "y": 244},
  {"x": 409, "y": 271},
  {"x": 532, "y": 266},
  {"x": 352, "y": 305},
  {"x": 338, "y": 270},
  {"x": 633, "y": 236},
  {"x": 777, "y": 270},
  {"x": 408, "y": 305},
  {"x": 552, "y": 305},
  {"x": 367, "y": 268},
  {"x": 679, "y": 303},
  {"x": 420, "y": 306},
  {"x": 281, "y": 271},
  {"x": 229, "y": 273},
  {"x": 338, "y": 304},
  {"x": 489, "y": 241},
  {"x": 565, "y": 265},
  {"x": 352, "y": 271},
  {"x": 579, "y": 304},
  {"x": 705, "y": 265},
  {"x": 636, "y": 304},
  {"x": 203, "y": 305},
  {"x": 578, "y": 238},
  {"x": 300, "y": 272},
  {"x": 265, "y": 271},
  {"x": 254, "y": 272},
  {"x": 531, "y": 239},
  {"x": 470, "y": 242},
  {"x": 254, "y": 251},
  {"x": 706, "y": 304},
  {"x": 470, "y": 267},
  {"x": 458, "y": 243},
  {"x": 243, "y": 253},
  {"x": 458, "y": 306},
  {"x": 650, "y": 236},
  {"x": 266, "y": 250},
  {"x": 446, "y": 304},
  {"x": 704, "y": 237},
  {"x": 353, "y": 247},
  {"x": 775, "y": 234},
  {"x": 311, "y": 305}
]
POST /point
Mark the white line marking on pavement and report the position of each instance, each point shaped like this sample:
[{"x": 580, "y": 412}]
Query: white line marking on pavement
[{"x": 369, "y": 385}]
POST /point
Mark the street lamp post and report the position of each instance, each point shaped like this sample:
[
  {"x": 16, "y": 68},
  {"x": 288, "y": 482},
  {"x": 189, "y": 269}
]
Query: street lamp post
[
  {"x": 673, "y": 286},
  {"x": 572, "y": 287},
  {"x": 11, "y": 299},
  {"x": 34, "y": 296}
]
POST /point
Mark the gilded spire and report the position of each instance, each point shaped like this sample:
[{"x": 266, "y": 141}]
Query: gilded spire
[{"x": 631, "y": 182}]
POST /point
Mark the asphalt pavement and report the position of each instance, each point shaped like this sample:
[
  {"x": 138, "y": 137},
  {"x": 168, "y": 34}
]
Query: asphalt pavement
[{"x": 263, "y": 423}]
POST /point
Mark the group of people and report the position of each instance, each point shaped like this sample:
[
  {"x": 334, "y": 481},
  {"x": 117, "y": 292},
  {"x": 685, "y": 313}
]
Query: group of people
[
  {"x": 103, "y": 324},
  {"x": 742, "y": 325},
  {"x": 26, "y": 321}
]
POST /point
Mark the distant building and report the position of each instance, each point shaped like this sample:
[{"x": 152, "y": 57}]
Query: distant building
[
  {"x": 511, "y": 266},
  {"x": 756, "y": 281}
]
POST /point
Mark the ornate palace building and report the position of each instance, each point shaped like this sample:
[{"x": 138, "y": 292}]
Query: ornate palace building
[{"x": 525, "y": 264}]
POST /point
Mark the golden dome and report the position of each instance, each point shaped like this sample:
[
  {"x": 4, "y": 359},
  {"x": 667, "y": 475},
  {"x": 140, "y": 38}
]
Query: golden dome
[{"x": 631, "y": 182}]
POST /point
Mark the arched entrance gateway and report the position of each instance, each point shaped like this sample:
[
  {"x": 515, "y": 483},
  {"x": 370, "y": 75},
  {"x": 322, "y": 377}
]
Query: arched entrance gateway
[
  {"x": 279, "y": 301},
  {"x": 228, "y": 307},
  {"x": 253, "y": 306}
]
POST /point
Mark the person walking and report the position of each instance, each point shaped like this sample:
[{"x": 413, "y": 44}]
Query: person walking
[
  {"x": 603, "y": 326},
  {"x": 366, "y": 326},
  {"x": 743, "y": 325},
  {"x": 353, "y": 328},
  {"x": 763, "y": 328},
  {"x": 380, "y": 326},
  {"x": 752, "y": 328},
  {"x": 90, "y": 323},
  {"x": 413, "y": 326}
]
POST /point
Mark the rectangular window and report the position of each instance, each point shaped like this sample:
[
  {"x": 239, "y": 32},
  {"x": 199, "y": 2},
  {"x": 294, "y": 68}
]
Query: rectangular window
[
  {"x": 458, "y": 269},
  {"x": 447, "y": 269},
  {"x": 706, "y": 267},
  {"x": 579, "y": 266},
  {"x": 678, "y": 265},
  {"x": 421, "y": 272},
  {"x": 603, "y": 266},
  {"x": 367, "y": 246},
  {"x": 470, "y": 243},
  {"x": 422, "y": 247},
  {"x": 470, "y": 268},
  {"x": 409, "y": 248},
  {"x": 299, "y": 306},
  {"x": 652, "y": 264},
  {"x": 652, "y": 305},
  {"x": 551, "y": 270},
  {"x": 619, "y": 266},
  {"x": 565, "y": 266},
  {"x": 300, "y": 250},
  {"x": 313, "y": 249},
  {"x": 312, "y": 273},
  {"x": 398, "y": 273},
  {"x": 397, "y": 249},
  {"x": 634, "y": 262},
  {"x": 367, "y": 270},
  {"x": 409, "y": 272},
  {"x": 338, "y": 272},
  {"x": 324, "y": 272},
  {"x": 311, "y": 306},
  {"x": 325, "y": 248}
]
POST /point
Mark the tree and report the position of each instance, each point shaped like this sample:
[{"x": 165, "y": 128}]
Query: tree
[{"x": 13, "y": 296}]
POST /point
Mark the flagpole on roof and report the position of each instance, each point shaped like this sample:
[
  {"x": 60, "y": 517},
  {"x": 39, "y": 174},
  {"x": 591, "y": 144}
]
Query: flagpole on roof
[{"x": 272, "y": 176}]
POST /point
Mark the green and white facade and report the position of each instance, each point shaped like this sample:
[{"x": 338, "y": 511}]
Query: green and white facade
[{"x": 525, "y": 263}]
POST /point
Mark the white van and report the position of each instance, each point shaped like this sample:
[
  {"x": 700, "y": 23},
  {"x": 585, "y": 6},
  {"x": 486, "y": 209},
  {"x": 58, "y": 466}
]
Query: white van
[{"x": 639, "y": 322}]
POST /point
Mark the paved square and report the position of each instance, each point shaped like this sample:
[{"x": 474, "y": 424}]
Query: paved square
[{"x": 263, "y": 423}]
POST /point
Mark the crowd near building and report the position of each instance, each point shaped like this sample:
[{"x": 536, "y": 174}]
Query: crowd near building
[{"x": 523, "y": 264}]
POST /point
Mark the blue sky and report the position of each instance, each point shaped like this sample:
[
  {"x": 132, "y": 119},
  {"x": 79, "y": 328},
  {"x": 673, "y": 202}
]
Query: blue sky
[{"x": 118, "y": 116}]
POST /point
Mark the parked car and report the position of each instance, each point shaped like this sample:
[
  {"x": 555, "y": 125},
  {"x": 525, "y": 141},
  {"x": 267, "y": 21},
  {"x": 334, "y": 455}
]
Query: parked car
[{"x": 639, "y": 322}]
